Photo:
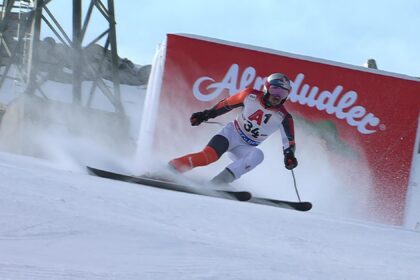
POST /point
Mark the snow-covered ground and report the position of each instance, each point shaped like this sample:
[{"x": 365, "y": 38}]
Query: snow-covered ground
[{"x": 61, "y": 224}]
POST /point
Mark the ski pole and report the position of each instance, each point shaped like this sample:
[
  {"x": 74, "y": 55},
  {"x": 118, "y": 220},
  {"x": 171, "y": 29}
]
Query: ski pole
[
  {"x": 294, "y": 183},
  {"x": 212, "y": 122}
]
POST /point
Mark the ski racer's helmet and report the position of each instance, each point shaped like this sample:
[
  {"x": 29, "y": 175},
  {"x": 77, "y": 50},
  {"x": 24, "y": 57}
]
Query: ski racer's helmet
[{"x": 277, "y": 84}]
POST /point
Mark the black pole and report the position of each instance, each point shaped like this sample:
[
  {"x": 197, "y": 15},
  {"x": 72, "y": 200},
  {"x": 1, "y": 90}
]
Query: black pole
[
  {"x": 114, "y": 51},
  {"x": 77, "y": 52},
  {"x": 32, "y": 61},
  {"x": 294, "y": 182}
]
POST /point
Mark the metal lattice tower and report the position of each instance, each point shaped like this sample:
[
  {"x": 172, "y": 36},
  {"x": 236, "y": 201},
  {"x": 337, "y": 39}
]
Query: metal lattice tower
[{"x": 21, "y": 22}]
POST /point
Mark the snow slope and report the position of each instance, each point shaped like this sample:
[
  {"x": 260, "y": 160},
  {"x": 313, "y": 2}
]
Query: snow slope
[{"x": 61, "y": 224}]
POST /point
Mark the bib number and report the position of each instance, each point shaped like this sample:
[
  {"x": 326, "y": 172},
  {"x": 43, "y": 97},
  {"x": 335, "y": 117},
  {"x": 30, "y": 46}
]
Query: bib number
[{"x": 250, "y": 128}]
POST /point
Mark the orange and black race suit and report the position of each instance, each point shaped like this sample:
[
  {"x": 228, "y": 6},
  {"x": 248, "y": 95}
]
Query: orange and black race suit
[{"x": 256, "y": 121}]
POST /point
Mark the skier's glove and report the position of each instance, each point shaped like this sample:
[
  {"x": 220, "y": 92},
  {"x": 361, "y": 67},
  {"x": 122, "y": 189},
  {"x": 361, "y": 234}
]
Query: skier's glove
[
  {"x": 199, "y": 117},
  {"x": 290, "y": 161}
]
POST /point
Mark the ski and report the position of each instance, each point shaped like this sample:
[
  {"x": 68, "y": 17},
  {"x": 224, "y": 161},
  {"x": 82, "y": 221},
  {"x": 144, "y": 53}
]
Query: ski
[
  {"x": 169, "y": 185},
  {"x": 295, "y": 205}
]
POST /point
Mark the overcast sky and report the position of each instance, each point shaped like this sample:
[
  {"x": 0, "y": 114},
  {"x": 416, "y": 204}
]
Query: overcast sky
[{"x": 343, "y": 31}]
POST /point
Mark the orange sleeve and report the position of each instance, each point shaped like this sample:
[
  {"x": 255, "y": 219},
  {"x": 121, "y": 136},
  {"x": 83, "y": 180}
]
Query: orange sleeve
[
  {"x": 233, "y": 101},
  {"x": 227, "y": 104}
]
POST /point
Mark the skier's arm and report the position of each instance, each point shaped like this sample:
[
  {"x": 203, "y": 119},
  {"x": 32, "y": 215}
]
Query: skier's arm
[
  {"x": 232, "y": 102},
  {"x": 288, "y": 138},
  {"x": 288, "y": 133},
  {"x": 224, "y": 106}
]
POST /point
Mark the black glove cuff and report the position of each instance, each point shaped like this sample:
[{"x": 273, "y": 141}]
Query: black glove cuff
[
  {"x": 289, "y": 152},
  {"x": 209, "y": 114}
]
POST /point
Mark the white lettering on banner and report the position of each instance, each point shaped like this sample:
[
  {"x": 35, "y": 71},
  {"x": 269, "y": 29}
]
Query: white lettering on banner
[
  {"x": 331, "y": 102},
  {"x": 354, "y": 115},
  {"x": 229, "y": 82}
]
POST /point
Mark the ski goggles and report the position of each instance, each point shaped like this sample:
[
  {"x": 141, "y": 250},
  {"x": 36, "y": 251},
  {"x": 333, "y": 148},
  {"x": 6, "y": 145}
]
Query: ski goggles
[{"x": 278, "y": 92}]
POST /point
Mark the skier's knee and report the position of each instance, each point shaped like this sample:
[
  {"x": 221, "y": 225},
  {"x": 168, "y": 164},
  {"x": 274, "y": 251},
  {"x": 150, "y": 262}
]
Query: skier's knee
[
  {"x": 257, "y": 156},
  {"x": 219, "y": 143},
  {"x": 253, "y": 159}
]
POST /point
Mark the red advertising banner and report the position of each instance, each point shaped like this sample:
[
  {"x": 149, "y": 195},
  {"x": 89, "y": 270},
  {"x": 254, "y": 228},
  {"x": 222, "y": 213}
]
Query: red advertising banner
[{"x": 373, "y": 112}]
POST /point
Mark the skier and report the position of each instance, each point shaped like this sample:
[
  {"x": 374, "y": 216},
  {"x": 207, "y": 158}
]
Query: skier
[{"x": 262, "y": 114}]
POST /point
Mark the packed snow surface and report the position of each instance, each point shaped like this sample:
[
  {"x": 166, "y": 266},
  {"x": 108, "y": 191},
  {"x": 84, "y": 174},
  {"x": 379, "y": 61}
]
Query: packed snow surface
[{"x": 57, "y": 223}]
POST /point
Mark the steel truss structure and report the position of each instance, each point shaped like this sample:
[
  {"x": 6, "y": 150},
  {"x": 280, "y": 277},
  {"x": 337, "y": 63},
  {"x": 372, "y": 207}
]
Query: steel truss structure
[{"x": 20, "y": 28}]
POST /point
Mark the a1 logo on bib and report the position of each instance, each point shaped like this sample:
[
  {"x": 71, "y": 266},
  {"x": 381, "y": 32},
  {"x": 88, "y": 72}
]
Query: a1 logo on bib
[{"x": 259, "y": 117}]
